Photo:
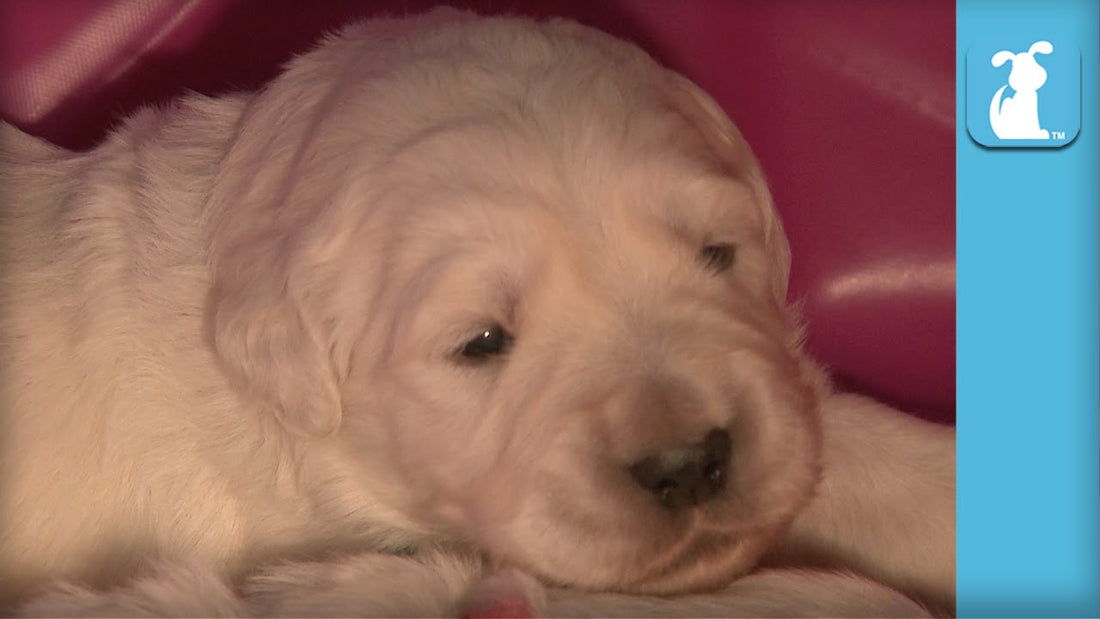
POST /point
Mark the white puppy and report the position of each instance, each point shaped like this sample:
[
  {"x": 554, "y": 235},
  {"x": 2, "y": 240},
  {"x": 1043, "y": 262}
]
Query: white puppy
[{"x": 504, "y": 289}]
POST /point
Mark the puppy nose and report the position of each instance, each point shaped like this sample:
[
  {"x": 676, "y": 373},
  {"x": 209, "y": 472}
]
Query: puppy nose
[{"x": 688, "y": 475}]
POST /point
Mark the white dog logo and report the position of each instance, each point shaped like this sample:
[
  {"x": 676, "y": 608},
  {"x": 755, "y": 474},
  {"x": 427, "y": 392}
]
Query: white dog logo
[{"x": 1017, "y": 117}]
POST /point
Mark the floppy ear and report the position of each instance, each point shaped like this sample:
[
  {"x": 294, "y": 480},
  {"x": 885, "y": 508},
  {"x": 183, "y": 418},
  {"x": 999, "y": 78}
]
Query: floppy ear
[
  {"x": 275, "y": 241},
  {"x": 281, "y": 216},
  {"x": 731, "y": 148},
  {"x": 1040, "y": 47},
  {"x": 1002, "y": 57},
  {"x": 267, "y": 339}
]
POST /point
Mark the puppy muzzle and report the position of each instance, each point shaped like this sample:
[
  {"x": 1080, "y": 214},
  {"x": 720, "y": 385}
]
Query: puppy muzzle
[{"x": 688, "y": 475}]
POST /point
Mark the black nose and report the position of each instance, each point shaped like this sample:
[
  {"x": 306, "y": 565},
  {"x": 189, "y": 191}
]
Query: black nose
[{"x": 688, "y": 475}]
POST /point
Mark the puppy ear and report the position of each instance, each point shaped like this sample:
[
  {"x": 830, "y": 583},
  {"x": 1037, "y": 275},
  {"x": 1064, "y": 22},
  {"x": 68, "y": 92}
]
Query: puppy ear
[
  {"x": 276, "y": 240},
  {"x": 1002, "y": 57},
  {"x": 268, "y": 343},
  {"x": 1041, "y": 47},
  {"x": 733, "y": 151}
]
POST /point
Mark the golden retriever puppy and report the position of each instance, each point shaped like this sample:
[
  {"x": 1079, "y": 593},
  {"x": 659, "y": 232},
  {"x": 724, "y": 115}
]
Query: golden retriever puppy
[{"x": 453, "y": 303}]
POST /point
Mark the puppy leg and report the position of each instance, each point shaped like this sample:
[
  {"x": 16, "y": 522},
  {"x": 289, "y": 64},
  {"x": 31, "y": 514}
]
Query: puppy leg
[
  {"x": 434, "y": 584},
  {"x": 767, "y": 593},
  {"x": 886, "y": 504},
  {"x": 167, "y": 590},
  {"x": 430, "y": 584}
]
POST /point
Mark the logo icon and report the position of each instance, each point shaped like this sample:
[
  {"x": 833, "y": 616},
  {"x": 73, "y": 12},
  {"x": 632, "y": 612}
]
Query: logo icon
[
  {"x": 1028, "y": 98},
  {"x": 1017, "y": 117}
]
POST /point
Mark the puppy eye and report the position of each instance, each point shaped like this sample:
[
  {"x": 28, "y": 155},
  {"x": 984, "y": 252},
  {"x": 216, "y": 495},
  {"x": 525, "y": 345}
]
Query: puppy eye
[
  {"x": 493, "y": 340},
  {"x": 717, "y": 257}
]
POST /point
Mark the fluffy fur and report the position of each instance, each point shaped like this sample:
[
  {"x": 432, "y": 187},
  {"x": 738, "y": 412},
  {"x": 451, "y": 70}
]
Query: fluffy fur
[{"x": 230, "y": 338}]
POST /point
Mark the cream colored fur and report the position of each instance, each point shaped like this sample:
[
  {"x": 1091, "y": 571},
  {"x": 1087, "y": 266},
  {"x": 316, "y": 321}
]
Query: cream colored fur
[{"x": 230, "y": 335}]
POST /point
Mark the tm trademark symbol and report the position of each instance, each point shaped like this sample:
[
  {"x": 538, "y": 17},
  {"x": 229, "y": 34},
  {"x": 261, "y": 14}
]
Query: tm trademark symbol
[{"x": 1057, "y": 135}]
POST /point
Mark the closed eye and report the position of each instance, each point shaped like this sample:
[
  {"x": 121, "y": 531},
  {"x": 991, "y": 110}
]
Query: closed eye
[{"x": 717, "y": 257}]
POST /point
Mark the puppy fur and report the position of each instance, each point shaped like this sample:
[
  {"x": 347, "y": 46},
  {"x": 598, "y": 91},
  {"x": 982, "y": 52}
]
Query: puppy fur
[{"x": 232, "y": 380}]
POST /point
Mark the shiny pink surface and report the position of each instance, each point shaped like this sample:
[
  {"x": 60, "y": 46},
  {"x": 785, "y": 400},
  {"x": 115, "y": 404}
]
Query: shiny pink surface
[{"x": 848, "y": 103}]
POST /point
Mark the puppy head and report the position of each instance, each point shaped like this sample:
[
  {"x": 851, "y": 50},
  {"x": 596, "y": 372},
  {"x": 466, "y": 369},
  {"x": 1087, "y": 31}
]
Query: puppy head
[{"x": 534, "y": 286}]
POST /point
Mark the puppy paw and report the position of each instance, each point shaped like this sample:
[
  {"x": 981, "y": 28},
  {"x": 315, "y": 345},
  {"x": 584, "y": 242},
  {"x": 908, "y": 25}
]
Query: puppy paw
[
  {"x": 167, "y": 589},
  {"x": 507, "y": 593}
]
